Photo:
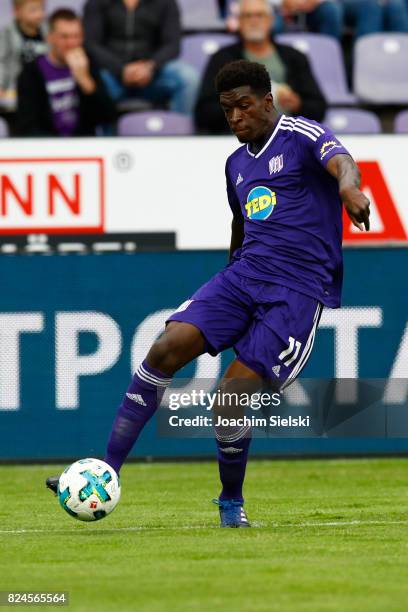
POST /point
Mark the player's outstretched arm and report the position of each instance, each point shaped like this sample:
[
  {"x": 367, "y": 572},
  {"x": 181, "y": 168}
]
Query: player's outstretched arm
[
  {"x": 237, "y": 235},
  {"x": 345, "y": 170}
]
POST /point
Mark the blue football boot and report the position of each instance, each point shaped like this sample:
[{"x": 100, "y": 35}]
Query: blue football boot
[{"x": 232, "y": 513}]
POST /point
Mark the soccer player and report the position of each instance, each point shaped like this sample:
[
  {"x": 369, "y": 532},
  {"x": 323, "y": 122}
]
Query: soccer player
[{"x": 285, "y": 187}]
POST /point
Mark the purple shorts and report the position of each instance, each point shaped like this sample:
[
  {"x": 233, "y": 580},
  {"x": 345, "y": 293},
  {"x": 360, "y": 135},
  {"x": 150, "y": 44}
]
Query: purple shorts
[{"x": 270, "y": 327}]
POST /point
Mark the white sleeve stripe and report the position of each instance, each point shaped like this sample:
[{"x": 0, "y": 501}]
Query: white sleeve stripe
[
  {"x": 300, "y": 125},
  {"x": 316, "y": 129},
  {"x": 311, "y": 126},
  {"x": 305, "y": 123},
  {"x": 287, "y": 127},
  {"x": 296, "y": 129}
]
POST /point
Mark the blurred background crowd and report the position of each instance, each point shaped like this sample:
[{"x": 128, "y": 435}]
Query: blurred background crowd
[{"x": 137, "y": 67}]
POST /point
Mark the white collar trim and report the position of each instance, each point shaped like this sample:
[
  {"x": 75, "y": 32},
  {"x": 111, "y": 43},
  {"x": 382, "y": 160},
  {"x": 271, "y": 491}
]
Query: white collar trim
[{"x": 269, "y": 140}]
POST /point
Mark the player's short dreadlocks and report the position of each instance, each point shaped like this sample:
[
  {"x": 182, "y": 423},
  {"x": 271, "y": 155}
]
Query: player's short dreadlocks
[{"x": 243, "y": 72}]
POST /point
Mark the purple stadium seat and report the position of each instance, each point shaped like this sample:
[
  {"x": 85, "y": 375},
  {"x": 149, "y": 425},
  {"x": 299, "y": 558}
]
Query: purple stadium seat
[
  {"x": 201, "y": 15},
  {"x": 326, "y": 60},
  {"x": 155, "y": 123},
  {"x": 381, "y": 68},
  {"x": 352, "y": 121},
  {"x": 401, "y": 123},
  {"x": 74, "y": 5},
  {"x": 197, "y": 48}
]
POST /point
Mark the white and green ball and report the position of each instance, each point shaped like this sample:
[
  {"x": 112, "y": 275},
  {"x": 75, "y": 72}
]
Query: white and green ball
[{"x": 89, "y": 489}]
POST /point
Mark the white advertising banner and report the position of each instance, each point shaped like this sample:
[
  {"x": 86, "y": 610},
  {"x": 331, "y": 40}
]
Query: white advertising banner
[{"x": 166, "y": 184}]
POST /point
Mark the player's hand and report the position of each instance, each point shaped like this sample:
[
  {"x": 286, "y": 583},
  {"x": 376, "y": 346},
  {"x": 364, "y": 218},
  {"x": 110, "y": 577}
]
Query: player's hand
[{"x": 358, "y": 207}]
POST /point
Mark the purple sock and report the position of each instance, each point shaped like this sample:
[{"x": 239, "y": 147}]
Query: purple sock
[
  {"x": 141, "y": 401},
  {"x": 232, "y": 455}
]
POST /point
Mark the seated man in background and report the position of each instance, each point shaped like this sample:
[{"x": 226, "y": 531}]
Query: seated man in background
[
  {"x": 20, "y": 42},
  {"x": 322, "y": 16},
  {"x": 59, "y": 94},
  {"x": 294, "y": 88},
  {"x": 135, "y": 43}
]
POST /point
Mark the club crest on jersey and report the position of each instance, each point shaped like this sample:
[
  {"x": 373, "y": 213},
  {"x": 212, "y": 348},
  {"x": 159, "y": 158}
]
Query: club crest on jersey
[
  {"x": 276, "y": 164},
  {"x": 328, "y": 146},
  {"x": 260, "y": 203}
]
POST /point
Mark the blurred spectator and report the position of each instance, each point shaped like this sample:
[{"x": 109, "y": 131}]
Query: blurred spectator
[
  {"x": 322, "y": 16},
  {"x": 61, "y": 94},
  {"x": 372, "y": 16},
  {"x": 135, "y": 43},
  {"x": 329, "y": 16},
  {"x": 20, "y": 43},
  {"x": 293, "y": 85}
]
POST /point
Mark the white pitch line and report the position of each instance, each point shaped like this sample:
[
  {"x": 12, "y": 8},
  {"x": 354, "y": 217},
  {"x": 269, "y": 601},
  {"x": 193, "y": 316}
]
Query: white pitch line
[
  {"x": 339, "y": 523},
  {"x": 104, "y": 531},
  {"x": 192, "y": 527}
]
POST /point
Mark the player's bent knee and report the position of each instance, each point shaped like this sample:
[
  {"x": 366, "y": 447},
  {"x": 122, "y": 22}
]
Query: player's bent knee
[
  {"x": 238, "y": 380},
  {"x": 179, "y": 344}
]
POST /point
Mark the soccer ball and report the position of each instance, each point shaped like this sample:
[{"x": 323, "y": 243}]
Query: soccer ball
[{"x": 89, "y": 489}]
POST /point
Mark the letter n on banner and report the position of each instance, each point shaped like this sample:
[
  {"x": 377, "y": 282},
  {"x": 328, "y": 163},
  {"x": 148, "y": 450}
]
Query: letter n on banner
[{"x": 373, "y": 180}]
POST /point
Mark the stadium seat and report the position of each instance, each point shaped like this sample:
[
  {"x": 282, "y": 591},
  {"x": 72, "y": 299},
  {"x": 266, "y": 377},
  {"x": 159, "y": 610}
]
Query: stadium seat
[
  {"x": 352, "y": 121},
  {"x": 74, "y": 5},
  {"x": 326, "y": 59},
  {"x": 4, "y": 130},
  {"x": 155, "y": 123},
  {"x": 201, "y": 15},
  {"x": 401, "y": 123},
  {"x": 197, "y": 48},
  {"x": 380, "y": 68}
]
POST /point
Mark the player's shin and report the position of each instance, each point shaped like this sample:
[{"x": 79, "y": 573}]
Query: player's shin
[
  {"x": 233, "y": 433},
  {"x": 232, "y": 452},
  {"x": 140, "y": 402}
]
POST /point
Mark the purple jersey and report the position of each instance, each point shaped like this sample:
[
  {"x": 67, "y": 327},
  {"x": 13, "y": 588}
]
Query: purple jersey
[
  {"x": 63, "y": 96},
  {"x": 292, "y": 210}
]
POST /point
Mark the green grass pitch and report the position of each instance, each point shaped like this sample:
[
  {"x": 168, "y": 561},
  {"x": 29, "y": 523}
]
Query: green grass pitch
[{"x": 328, "y": 536}]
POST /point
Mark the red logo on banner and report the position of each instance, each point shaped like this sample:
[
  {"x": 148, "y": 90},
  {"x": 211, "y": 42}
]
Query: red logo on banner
[
  {"x": 52, "y": 195},
  {"x": 372, "y": 179}
]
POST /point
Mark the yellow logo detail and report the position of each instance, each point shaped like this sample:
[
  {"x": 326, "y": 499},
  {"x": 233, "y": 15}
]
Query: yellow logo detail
[
  {"x": 327, "y": 144},
  {"x": 261, "y": 205}
]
